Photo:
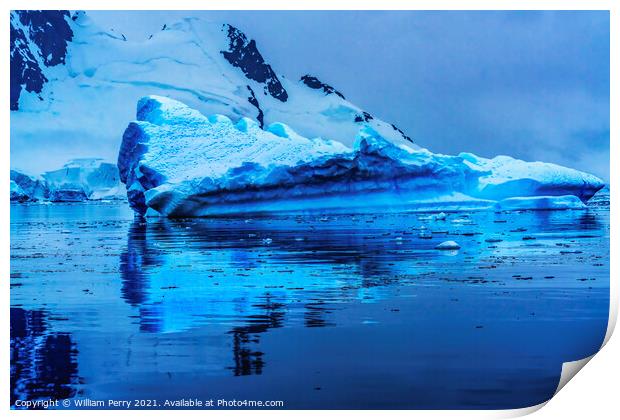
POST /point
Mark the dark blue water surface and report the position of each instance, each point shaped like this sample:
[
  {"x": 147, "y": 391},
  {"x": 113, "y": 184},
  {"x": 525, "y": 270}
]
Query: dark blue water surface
[{"x": 316, "y": 311}]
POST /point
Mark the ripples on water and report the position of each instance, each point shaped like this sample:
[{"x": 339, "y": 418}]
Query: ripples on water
[{"x": 347, "y": 311}]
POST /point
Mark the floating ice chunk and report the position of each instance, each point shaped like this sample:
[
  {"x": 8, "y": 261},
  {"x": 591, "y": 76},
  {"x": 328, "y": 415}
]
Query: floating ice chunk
[
  {"x": 84, "y": 179},
  {"x": 448, "y": 245},
  {"x": 77, "y": 180},
  {"x": 509, "y": 177},
  {"x": 493, "y": 240},
  {"x": 441, "y": 216},
  {"x": 563, "y": 202},
  {"x": 425, "y": 235},
  {"x": 178, "y": 163}
]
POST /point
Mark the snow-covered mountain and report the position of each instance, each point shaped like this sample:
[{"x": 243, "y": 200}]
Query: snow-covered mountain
[{"x": 74, "y": 86}]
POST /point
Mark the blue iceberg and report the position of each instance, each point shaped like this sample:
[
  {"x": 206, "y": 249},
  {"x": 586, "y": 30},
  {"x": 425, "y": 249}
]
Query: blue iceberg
[
  {"x": 27, "y": 188},
  {"x": 176, "y": 162},
  {"x": 84, "y": 179},
  {"x": 78, "y": 180}
]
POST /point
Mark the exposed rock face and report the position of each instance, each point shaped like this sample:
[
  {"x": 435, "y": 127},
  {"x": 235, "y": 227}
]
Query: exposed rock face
[
  {"x": 244, "y": 54},
  {"x": 39, "y": 39},
  {"x": 314, "y": 83}
]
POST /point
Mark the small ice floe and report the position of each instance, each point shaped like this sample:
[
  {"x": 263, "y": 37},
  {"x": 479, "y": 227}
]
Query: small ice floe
[
  {"x": 266, "y": 241},
  {"x": 493, "y": 240},
  {"x": 324, "y": 219},
  {"x": 448, "y": 245},
  {"x": 461, "y": 221},
  {"x": 441, "y": 216},
  {"x": 425, "y": 235}
]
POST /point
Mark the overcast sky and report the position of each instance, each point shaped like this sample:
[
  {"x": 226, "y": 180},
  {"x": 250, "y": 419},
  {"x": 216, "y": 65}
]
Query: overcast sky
[{"x": 533, "y": 85}]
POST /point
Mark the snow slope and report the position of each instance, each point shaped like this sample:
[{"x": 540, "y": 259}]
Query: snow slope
[
  {"x": 176, "y": 162},
  {"x": 74, "y": 86}
]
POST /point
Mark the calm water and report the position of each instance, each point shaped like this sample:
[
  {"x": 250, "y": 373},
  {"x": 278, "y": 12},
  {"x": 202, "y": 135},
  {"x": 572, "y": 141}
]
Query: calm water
[{"x": 316, "y": 311}]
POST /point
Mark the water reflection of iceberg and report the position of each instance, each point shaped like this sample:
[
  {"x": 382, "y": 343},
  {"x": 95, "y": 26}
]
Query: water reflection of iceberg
[
  {"x": 232, "y": 272},
  {"x": 181, "y": 274}
]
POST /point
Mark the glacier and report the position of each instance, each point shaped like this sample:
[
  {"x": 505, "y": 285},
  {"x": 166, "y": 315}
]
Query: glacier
[
  {"x": 28, "y": 188},
  {"x": 78, "y": 180},
  {"x": 85, "y": 178},
  {"x": 176, "y": 162},
  {"x": 17, "y": 193}
]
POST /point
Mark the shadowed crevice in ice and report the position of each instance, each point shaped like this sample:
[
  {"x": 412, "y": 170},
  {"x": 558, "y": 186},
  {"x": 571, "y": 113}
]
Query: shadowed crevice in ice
[{"x": 176, "y": 162}]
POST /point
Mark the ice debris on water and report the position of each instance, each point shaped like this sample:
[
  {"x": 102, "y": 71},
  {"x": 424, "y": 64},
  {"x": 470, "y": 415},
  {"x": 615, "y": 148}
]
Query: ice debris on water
[{"x": 448, "y": 245}]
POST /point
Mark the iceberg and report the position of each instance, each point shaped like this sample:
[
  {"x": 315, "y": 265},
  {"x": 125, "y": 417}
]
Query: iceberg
[
  {"x": 176, "y": 162},
  {"x": 17, "y": 194},
  {"x": 448, "y": 246},
  {"x": 84, "y": 179},
  {"x": 509, "y": 177},
  {"x": 78, "y": 180},
  {"x": 27, "y": 188}
]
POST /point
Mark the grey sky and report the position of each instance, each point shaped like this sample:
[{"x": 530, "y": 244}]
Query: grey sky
[{"x": 533, "y": 85}]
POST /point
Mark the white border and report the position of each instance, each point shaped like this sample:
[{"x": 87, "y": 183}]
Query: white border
[{"x": 610, "y": 359}]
